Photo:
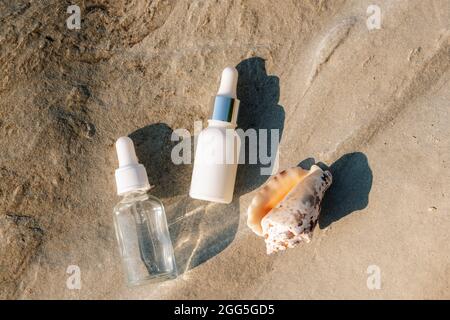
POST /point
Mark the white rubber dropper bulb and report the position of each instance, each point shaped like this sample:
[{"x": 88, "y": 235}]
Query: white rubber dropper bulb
[
  {"x": 228, "y": 83},
  {"x": 131, "y": 175},
  {"x": 125, "y": 152}
]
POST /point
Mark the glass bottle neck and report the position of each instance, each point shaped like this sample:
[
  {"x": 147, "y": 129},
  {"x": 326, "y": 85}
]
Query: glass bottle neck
[{"x": 135, "y": 194}]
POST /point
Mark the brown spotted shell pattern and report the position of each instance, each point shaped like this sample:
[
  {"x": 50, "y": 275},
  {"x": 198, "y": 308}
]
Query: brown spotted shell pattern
[{"x": 286, "y": 208}]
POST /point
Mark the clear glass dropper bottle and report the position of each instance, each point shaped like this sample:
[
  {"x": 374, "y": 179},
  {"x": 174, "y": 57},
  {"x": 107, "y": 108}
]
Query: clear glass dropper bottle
[{"x": 140, "y": 223}]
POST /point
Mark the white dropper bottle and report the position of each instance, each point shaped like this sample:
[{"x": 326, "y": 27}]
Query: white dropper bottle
[{"x": 218, "y": 145}]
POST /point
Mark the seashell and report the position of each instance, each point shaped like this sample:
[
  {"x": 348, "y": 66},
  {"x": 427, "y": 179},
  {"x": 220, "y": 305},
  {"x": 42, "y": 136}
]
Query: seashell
[
  {"x": 286, "y": 209},
  {"x": 270, "y": 194}
]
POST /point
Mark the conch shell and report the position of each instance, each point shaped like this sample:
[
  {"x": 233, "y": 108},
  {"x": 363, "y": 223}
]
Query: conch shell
[{"x": 286, "y": 209}]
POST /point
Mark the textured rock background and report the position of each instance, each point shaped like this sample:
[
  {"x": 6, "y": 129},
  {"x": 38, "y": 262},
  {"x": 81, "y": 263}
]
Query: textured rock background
[{"x": 372, "y": 105}]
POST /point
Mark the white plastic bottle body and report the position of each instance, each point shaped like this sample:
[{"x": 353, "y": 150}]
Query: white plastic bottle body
[
  {"x": 144, "y": 240},
  {"x": 215, "y": 164}
]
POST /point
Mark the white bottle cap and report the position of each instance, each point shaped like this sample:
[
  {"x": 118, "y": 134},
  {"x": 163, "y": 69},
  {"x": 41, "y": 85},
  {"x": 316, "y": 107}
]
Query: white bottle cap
[
  {"x": 228, "y": 83},
  {"x": 131, "y": 175}
]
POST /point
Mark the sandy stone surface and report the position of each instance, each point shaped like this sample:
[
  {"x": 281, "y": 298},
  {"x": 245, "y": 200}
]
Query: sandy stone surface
[{"x": 372, "y": 105}]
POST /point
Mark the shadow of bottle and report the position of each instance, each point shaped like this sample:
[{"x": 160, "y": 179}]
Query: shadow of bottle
[
  {"x": 259, "y": 110},
  {"x": 349, "y": 192}
]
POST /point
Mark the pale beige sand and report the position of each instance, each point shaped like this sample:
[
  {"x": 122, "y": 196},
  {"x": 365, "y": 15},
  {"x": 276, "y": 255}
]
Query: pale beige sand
[{"x": 372, "y": 105}]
